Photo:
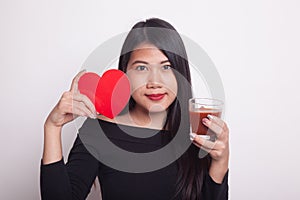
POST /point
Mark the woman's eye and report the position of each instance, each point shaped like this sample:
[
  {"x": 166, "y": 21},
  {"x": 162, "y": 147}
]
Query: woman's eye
[
  {"x": 141, "y": 68},
  {"x": 166, "y": 67}
]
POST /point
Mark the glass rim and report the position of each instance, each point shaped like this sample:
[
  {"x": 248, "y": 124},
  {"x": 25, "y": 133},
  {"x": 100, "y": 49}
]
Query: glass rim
[{"x": 216, "y": 102}]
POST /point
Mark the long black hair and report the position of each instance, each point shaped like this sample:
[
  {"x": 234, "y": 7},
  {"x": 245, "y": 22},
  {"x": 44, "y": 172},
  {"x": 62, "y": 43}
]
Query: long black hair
[{"x": 163, "y": 35}]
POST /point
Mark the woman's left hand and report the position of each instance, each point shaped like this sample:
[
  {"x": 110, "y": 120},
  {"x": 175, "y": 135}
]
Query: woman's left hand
[{"x": 218, "y": 149}]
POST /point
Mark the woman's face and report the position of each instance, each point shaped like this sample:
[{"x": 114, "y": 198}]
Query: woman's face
[{"x": 153, "y": 83}]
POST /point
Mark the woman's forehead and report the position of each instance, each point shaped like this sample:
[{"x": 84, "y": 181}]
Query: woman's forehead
[{"x": 147, "y": 53}]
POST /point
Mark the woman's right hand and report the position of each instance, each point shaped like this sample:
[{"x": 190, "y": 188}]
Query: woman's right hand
[{"x": 71, "y": 105}]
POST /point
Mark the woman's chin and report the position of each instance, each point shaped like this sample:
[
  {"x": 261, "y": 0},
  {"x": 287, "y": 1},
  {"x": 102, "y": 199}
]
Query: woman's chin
[{"x": 157, "y": 108}]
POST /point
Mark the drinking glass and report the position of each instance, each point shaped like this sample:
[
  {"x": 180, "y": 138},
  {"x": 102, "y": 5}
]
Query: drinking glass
[{"x": 199, "y": 108}]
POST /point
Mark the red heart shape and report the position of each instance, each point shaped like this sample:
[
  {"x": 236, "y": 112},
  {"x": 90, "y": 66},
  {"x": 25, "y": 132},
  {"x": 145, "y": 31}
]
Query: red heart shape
[
  {"x": 112, "y": 94},
  {"x": 87, "y": 85},
  {"x": 109, "y": 93}
]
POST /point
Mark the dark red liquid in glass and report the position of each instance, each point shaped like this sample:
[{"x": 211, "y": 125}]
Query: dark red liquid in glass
[{"x": 197, "y": 116}]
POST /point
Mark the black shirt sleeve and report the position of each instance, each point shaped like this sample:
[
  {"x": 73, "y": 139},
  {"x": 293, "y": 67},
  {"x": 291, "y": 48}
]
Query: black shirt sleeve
[
  {"x": 215, "y": 191},
  {"x": 72, "y": 180}
]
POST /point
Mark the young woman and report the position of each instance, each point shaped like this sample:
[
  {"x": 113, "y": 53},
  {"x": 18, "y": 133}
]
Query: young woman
[{"x": 154, "y": 58}]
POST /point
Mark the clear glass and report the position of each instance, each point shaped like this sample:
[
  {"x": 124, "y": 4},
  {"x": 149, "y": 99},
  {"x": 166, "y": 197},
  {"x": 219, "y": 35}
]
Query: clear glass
[{"x": 199, "y": 108}]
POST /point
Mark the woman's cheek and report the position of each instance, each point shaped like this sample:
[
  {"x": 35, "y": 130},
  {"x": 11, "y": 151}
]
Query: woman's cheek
[
  {"x": 136, "y": 80},
  {"x": 170, "y": 83}
]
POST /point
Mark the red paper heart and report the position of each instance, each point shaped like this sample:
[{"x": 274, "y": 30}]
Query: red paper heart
[
  {"x": 87, "y": 85},
  {"x": 112, "y": 94},
  {"x": 109, "y": 93}
]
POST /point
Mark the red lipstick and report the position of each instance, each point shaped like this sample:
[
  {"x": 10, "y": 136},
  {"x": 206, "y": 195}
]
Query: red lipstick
[{"x": 155, "y": 97}]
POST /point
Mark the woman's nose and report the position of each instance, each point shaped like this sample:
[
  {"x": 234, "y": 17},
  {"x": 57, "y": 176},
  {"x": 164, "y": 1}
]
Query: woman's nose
[
  {"x": 153, "y": 85},
  {"x": 154, "y": 80}
]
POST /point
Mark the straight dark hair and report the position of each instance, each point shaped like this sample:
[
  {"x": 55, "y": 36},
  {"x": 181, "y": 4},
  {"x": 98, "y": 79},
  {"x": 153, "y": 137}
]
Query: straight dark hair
[{"x": 163, "y": 35}]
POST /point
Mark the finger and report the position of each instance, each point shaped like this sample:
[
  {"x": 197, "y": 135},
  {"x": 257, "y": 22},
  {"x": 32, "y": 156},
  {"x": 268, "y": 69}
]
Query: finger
[
  {"x": 215, "y": 149},
  {"x": 219, "y": 145},
  {"x": 78, "y": 108},
  {"x": 206, "y": 149},
  {"x": 216, "y": 124},
  {"x": 87, "y": 102},
  {"x": 205, "y": 146},
  {"x": 75, "y": 108},
  {"x": 212, "y": 126},
  {"x": 68, "y": 98},
  {"x": 216, "y": 120},
  {"x": 215, "y": 154},
  {"x": 202, "y": 142},
  {"x": 201, "y": 147},
  {"x": 74, "y": 86},
  {"x": 202, "y": 151}
]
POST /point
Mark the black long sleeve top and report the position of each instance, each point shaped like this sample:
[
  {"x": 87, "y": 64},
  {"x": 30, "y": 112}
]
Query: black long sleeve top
[{"x": 73, "y": 180}]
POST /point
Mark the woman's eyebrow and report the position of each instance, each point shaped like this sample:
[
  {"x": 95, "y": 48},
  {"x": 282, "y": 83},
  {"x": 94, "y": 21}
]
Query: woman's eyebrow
[
  {"x": 165, "y": 61},
  {"x": 139, "y": 61},
  {"x": 144, "y": 62}
]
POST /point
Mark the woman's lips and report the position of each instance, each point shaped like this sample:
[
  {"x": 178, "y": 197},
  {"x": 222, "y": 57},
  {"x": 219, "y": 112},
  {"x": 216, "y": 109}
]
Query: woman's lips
[{"x": 155, "y": 97}]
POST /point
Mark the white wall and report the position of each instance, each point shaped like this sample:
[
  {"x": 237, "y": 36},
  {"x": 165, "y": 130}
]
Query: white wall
[{"x": 254, "y": 45}]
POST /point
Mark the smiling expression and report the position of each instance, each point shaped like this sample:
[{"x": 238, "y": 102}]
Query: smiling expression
[{"x": 153, "y": 83}]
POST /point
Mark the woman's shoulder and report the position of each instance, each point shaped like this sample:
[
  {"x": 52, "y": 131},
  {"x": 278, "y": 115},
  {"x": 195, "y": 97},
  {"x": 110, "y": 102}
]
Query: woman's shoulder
[{"x": 119, "y": 131}]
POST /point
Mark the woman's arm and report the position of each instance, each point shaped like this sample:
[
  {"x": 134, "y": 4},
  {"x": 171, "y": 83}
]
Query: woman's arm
[
  {"x": 70, "y": 181},
  {"x": 215, "y": 185},
  {"x": 218, "y": 150},
  {"x": 73, "y": 180},
  {"x": 52, "y": 144},
  {"x": 218, "y": 170},
  {"x": 215, "y": 191},
  {"x": 70, "y": 105}
]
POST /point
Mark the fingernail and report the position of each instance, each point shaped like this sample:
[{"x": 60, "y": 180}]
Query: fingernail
[
  {"x": 92, "y": 116},
  {"x": 210, "y": 117},
  {"x": 204, "y": 120},
  {"x": 192, "y": 136}
]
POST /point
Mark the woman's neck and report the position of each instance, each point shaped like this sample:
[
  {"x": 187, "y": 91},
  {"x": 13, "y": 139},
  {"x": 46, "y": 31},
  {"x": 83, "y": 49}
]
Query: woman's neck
[{"x": 141, "y": 117}]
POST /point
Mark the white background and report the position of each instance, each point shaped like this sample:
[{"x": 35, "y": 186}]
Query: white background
[{"x": 254, "y": 45}]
